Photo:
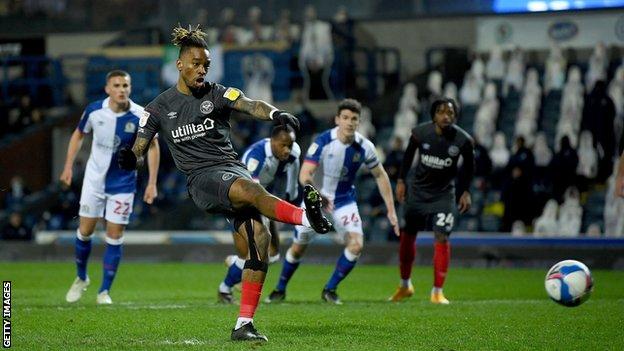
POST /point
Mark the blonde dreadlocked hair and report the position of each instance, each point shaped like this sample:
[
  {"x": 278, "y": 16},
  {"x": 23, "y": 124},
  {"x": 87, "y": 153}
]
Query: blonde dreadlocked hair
[{"x": 188, "y": 38}]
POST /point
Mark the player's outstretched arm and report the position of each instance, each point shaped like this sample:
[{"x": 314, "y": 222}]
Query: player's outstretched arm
[
  {"x": 383, "y": 183},
  {"x": 153, "y": 162},
  {"x": 130, "y": 159},
  {"x": 264, "y": 111},
  {"x": 75, "y": 143},
  {"x": 255, "y": 108}
]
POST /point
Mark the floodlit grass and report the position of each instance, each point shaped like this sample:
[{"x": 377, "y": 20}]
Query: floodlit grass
[{"x": 172, "y": 306}]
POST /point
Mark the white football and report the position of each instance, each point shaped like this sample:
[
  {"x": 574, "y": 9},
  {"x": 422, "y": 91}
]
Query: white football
[{"x": 569, "y": 283}]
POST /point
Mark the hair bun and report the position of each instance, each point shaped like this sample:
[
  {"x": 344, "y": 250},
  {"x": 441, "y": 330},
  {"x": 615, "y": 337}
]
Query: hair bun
[{"x": 182, "y": 36}]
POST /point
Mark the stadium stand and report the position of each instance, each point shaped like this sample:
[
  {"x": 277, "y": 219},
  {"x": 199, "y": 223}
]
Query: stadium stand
[{"x": 544, "y": 96}]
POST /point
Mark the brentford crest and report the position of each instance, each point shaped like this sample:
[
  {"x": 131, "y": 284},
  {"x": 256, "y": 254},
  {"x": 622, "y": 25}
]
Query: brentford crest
[{"x": 206, "y": 107}]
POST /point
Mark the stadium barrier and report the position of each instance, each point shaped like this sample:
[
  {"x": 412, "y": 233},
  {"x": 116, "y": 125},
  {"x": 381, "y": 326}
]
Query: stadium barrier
[{"x": 473, "y": 250}]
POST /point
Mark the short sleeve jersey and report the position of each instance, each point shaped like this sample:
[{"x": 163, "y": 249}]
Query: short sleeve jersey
[
  {"x": 340, "y": 163},
  {"x": 195, "y": 127},
  {"x": 111, "y": 130},
  {"x": 437, "y": 167},
  {"x": 265, "y": 168}
]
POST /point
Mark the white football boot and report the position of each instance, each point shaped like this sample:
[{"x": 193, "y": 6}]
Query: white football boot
[
  {"x": 77, "y": 288},
  {"x": 103, "y": 298}
]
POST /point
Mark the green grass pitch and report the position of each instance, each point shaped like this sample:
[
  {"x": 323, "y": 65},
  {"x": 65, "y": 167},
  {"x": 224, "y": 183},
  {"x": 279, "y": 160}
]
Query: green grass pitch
[{"x": 172, "y": 306}]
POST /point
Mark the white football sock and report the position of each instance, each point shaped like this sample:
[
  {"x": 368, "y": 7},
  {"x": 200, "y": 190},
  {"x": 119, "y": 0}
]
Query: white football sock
[
  {"x": 350, "y": 256},
  {"x": 406, "y": 282},
  {"x": 242, "y": 321},
  {"x": 223, "y": 288},
  {"x": 290, "y": 258},
  {"x": 240, "y": 263},
  {"x": 112, "y": 241},
  {"x": 304, "y": 220},
  {"x": 435, "y": 290},
  {"x": 275, "y": 258},
  {"x": 82, "y": 237}
]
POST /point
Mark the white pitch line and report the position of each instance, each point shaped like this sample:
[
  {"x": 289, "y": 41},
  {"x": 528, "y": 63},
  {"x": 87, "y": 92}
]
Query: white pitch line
[
  {"x": 133, "y": 306},
  {"x": 68, "y": 307},
  {"x": 183, "y": 342},
  {"x": 156, "y": 307},
  {"x": 500, "y": 301}
]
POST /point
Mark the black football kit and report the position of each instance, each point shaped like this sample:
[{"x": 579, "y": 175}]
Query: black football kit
[
  {"x": 197, "y": 129},
  {"x": 430, "y": 200}
]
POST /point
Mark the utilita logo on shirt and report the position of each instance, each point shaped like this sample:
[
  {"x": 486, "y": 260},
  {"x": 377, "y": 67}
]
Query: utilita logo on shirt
[
  {"x": 436, "y": 162},
  {"x": 192, "y": 131}
]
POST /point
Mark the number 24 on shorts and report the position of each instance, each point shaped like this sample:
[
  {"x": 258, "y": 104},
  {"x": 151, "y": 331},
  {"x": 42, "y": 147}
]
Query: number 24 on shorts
[
  {"x": 444, "y": 219},
  {"x": 346, "y": 220}
]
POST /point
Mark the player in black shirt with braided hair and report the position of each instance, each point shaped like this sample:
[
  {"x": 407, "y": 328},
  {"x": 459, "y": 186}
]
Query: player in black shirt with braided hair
[{"x": 193, "y": 118}]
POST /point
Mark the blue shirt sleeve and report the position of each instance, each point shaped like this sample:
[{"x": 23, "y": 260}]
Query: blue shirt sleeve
[
  {"x": 84, "y": 125},
  {"x": 254, "y": 161},
  {"x": 370, "y": 154}
]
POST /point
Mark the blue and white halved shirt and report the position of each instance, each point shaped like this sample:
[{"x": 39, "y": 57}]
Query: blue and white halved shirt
[
  {"x": 111, "y": 131},
  {"x": 265, "y": 168},
  {"x": 339, "y": 163}
]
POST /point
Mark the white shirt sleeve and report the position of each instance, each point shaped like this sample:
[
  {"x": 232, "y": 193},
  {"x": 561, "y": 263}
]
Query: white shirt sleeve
[
  {"x": 292, "y": 173},
  {"x": 370, "y": 154}
]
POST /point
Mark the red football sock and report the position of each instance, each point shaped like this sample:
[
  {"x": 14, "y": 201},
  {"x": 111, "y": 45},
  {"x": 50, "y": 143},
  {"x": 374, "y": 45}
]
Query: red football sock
[
  {"x": 287, "y": 213},
  {"x": 407, "y": 253},
  {"x": 441, "y": 258},
  {"x": 250, "y": 295}
]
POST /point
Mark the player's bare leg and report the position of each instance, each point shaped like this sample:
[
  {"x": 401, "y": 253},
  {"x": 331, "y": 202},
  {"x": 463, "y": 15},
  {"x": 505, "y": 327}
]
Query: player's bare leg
[
  {"x": 82, "y": 252},
  {"x": 244, "y": 193},
  {"x": 251, "y": 237},
  {"x": 345, "y": 264},
  {"x": 110, "y": 261},
  {"x": 441, "y": 258},
  {"x": 298, "y": 250},
  {"x": 407, "y": 254},
  {"x": 291, "y": 262}
]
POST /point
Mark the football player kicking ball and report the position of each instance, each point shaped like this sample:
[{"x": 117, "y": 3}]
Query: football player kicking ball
[
  {"x": 107, "y": 190},
  {"x": 430, "y": 203},
  {"x": 341, "y": 151},
  {"x": 193, "y": 117},
  {"x": 269, "y": 161}
]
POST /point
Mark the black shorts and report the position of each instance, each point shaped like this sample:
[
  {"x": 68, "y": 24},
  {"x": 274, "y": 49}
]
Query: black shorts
[
  {"x": 209, "y": 187},
  {"x": 437, "y": 216}
]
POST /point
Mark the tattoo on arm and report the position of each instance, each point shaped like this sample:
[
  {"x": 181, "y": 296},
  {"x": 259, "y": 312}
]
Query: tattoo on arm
[
  {"x": 255, "y": 108},
  {"x": 139, "y": 149},
  {"x": 140, "y": 146}
]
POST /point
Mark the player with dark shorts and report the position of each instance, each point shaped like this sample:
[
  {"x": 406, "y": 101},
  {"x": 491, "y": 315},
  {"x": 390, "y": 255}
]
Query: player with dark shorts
[
  {"x": 193, "y": 118},
  {"x": 273, "y": 163},
  {"x": 430, "y": 203}
]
